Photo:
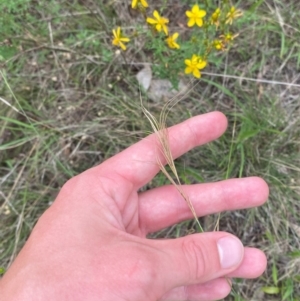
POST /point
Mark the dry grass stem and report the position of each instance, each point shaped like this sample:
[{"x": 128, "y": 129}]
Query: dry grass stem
[{"x": 159, "y": 127}]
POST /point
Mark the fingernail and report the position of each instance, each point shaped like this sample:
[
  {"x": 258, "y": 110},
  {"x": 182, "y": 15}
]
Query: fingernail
[{"x": 231, "y": 251}]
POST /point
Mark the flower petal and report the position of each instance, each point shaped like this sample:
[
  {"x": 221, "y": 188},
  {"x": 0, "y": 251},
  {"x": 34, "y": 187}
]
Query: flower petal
[
  {"x": 188, "y": 70},
  {"x": 165, "y": 29},
  {"x": 188, "y": 62},
  {"x": 134, "y": 3},
  {"x": 169, "y": 42},
  {"x": 156, "y": 15},
  {"x": 151, "y": 21},
  {"x": 201, "y": 65},
  {"x": 196, "y": 73},
  {"x": 144, "y": 3},
  {"x": 195, "y": 58},
  {"x": 191, "y": 22},
  {"x": 158, "y": 27},
  {"x": 199, "y": 22},
  {"x": 122, "y": 46},
  {"x": 201, "y": 13},
  {"x": 175, "y": 36},
  {"x": 164, "y": 20},
  {"x": 195, "y": 9},
  {"x": 189, "y": 14}
]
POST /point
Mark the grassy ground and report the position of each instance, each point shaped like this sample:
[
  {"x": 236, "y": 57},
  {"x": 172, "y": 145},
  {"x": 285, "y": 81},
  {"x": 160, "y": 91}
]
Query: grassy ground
[{"x": 67, "y": 103}]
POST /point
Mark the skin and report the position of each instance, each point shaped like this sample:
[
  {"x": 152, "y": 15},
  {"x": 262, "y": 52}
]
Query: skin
[{"x": 91, "y": 243}]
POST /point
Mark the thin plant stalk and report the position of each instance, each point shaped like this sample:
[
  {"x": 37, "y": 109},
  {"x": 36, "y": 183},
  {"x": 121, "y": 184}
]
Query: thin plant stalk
[{"x": 159, "y": 127}]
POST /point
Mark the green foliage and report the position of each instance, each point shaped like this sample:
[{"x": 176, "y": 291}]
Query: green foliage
[
  {"x": 172, "y": 54},
  {"x": 14, "y": 6},
  {"x": 7, "y": 52},
  {"x": 11, "y": 13}
]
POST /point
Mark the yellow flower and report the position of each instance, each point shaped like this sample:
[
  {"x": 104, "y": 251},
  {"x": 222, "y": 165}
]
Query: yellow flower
[
  {"x": 228, "y": 37},
  {"x": 159, "y": 22},
  {"x": 219, "y": 45},
  {"x": 171, "y": 41},
  {"x": 195, "y": 16},
  {"x": 215, "y": 17},
  {"x": 233, "y": 14},
  {"x": 194, "y": 65},
  {"x": 118, "y": 39},
  {"x": 135, "y": 3}
]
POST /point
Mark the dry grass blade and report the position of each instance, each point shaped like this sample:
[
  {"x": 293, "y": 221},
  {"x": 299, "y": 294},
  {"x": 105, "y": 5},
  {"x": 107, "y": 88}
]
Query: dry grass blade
[{"x": 160, "y": 129}]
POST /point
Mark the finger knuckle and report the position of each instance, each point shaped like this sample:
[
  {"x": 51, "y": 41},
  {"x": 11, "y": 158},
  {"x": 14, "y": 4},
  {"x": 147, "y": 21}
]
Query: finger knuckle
[{"x": 195, "y": 257}]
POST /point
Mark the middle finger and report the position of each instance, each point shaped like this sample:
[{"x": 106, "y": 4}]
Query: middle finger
[{"x": 162, "y": 207}]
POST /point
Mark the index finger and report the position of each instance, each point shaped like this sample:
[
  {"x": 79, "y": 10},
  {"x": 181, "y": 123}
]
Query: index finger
[{"x": 138, "y": 164}]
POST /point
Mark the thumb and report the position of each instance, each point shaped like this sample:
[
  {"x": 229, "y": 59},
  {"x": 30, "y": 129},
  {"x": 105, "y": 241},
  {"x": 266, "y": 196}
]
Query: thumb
[{"x": 199, "y": 258}]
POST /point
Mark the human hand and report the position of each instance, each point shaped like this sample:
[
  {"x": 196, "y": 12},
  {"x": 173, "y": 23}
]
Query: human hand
[{"x": 91, "y": 243}]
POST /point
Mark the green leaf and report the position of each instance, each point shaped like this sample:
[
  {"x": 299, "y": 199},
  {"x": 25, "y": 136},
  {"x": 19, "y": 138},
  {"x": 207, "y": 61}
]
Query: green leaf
[
  {"x": 247, "y": 133},
  {"x": 189, "y": 171},
  {"x": 295, "y": 254},
  {"x": 16, "y": 143},
  {"x": 271, "y": 290},
  {"x": 288, "y": 289},
  {"x": 17, "y": 122},
  {"x": 254, "y": 6}
]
